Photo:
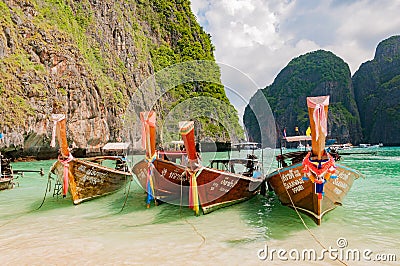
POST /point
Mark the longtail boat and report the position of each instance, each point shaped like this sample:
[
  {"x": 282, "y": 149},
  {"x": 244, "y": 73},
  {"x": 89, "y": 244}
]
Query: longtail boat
[
  {"x": 85, "y": 179},
  {"x": 190, "y": 183},
  {"x": 6, "y": 174},
  {"x": 312, "y": 182}
]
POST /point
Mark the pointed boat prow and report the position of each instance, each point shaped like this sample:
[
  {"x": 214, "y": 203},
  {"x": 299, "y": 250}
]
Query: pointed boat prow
[
  {"x": 148, "y": 132},
  {"x": 186, "y": 128},
  {"x": 318, "y": 113},
  {"x": 61, "y": 132}
]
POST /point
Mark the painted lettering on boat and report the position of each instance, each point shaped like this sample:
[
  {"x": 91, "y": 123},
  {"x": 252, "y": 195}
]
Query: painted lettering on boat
[
  {"x": 224, "y": 185},
  {"x": 91, "y": 175},
  {"x": 337, "y": 191},
  {"x": 342, "y": 175},
  {"x": 214, "y": 185},
  {"x": 227, "y": 183},
  {"x": 339, "y": 183},
  {"x": 291, "y": 174},
  {"x": 293, "y": 183},
  {"x": 174, "y": 175},
  {"x": 297, "y": 189}
]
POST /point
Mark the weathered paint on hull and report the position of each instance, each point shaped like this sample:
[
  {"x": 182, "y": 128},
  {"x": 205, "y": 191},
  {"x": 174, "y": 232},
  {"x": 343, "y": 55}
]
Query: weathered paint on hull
[
  {"x": 302, "y": 192},
  {"x": 216, "y": 189},
  {"x": 89, "y": 180}
]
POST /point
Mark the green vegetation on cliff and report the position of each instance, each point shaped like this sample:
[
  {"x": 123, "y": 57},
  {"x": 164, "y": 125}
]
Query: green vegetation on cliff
[
  {"x": 313, "y": 74},
  {"x": 88, "y": 58},
  {"x": 377, "y": 90}
]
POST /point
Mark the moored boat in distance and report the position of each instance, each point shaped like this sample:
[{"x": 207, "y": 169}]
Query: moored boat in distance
[
  {"x": 312, "y": 182},
  {"x": 86, "y": 179},
  {"x": 191, "y": 184},
  {"x": 6, "y": 174}
]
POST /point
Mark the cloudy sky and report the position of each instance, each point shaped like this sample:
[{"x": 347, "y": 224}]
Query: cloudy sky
[{"x": 260, "y": 37}]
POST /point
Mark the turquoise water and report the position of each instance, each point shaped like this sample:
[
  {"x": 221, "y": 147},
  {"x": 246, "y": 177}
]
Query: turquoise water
[{"x": 98, "y": 232}]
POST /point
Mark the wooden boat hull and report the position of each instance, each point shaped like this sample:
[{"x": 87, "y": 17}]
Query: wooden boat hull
[
  {"x": 289, "y": 181},
  {"x": 6, "y": 183},
  {"x": 88, "y": 180},
  {"x": 219, "y": 189},
  {"x": 216, "y": 188},
  {"x": 169, "y": 180}
]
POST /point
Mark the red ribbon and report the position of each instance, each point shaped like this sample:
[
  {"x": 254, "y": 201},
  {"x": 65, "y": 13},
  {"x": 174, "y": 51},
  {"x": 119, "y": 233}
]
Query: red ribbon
[
  {"x": 328, "y": 166},
  {"x": 65, "y": 172}
]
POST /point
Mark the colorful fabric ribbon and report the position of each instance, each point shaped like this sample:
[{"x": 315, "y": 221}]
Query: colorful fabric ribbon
[
  {"x": 56, "y": 118},
  {"x": 320, "y": 119},
  {"x": 194, "y": 203},
  {"x": 319, "y": 171},
  {"x": 149, "y": 182},
  {"x": 148, "y": 121},
  {"x": 65, "y": 172},
  {"x": 319, "y": 116}
]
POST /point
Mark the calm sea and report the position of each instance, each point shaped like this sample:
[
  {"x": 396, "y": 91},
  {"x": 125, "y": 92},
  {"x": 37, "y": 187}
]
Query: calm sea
[{"x": 96, "y": 232}]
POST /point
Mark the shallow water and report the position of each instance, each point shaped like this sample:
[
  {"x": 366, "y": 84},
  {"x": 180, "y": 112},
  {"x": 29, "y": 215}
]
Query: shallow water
[{"x": 96, "y": 232}]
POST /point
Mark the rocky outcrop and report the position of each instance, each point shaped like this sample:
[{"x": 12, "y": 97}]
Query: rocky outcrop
[
  {"x": 313, "y": 74},
  {"x": 377, "y": 91},
  {"x": 87, "y": 59}
]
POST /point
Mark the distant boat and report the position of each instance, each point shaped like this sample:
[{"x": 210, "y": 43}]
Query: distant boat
[
  {"x": 363, "y": 145},
  {"x": 312, "y": 182},
  {"x": 6, "y": 174},
  {"x": 346, "y": 146},
  {"x": 246, "y": 146},
  {"x": 367, "y": 145},
  {"x": 87, "y": 179},
  {"x": 190, "y": 183}
]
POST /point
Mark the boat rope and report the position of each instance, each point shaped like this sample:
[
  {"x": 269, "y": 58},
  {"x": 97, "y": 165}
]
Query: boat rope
[
  {"x": 127, "y": 192},
  {"x": 189, "y": 223},
  {"x": 305, "y": 225},
  {"x": 48, "y": 186}
]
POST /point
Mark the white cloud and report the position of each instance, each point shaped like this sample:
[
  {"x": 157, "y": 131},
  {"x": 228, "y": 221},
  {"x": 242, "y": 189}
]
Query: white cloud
[
  {"x": 260, "y": 37},
  {"x": 254, "y": 35}
]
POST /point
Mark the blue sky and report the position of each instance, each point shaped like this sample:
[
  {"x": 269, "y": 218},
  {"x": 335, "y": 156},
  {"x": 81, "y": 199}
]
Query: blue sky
[{"x": 260, "y": 37}]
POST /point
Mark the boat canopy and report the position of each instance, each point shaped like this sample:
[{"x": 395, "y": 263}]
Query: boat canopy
[
  {"x": 116, "y": 146},
  {"x": 297, "y": 138}
]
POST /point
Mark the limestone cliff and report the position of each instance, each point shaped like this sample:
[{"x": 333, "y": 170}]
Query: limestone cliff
[
  {"x": 313, "y": 74},
  {"x": 377, "y": 90},
  {"x": 86, "y": 59}
]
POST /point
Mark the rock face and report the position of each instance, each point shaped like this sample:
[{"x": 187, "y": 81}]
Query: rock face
[
  {"x": 377, "y": 90},
  {"x": 313, "y": 74},
  {"x": 86, "y": 59}
]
